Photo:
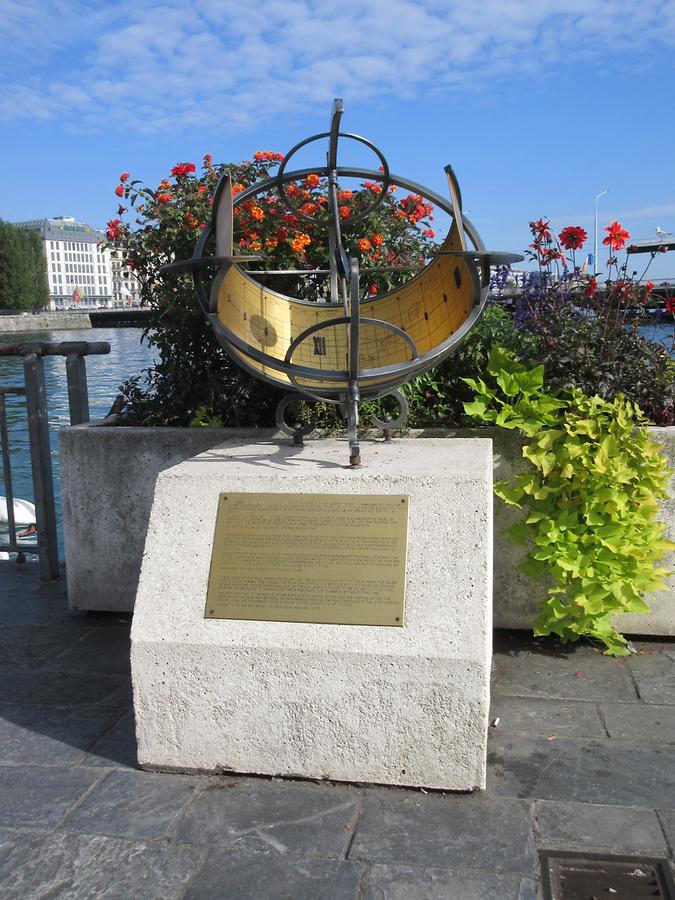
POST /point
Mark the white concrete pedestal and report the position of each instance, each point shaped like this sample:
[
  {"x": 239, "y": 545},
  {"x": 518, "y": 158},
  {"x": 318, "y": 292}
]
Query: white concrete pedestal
[{"x": 402, "y": 706}]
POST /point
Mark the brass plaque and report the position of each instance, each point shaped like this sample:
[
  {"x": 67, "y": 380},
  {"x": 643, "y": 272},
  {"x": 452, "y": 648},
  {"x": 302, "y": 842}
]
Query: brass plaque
[{"x": 326, "y": 558}]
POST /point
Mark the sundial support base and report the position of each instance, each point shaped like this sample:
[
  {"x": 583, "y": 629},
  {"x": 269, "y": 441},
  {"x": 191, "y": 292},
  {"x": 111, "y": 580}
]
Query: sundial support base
[{"x": 285, "y": 698}]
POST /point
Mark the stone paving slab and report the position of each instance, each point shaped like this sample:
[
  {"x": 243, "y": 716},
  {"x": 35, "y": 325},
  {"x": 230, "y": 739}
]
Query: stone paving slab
[
  {"x": 582, "y": 758},
  {"x": 468, "y": 830},
  {"x": 66, "y": 866},
  {"x": 640, "y": 722},
  {"x": 584, "y": 826},
  {"x": 667, "y": 819},
  {"x": 30, "y": 646},
  {"x": 284, "y": 816},
  {"x": 536, "y": 715},
  {"x": 63, "y": 689},
  {"x": 101, "y": 651},
  {"x": 40, "y": 796},
  {"x": 530, "y": 667},
  {"x": 268, "y": 876},
  {"x": 51, "y": 735},
  {"x": 412, "y": 883},
  {"x": 133, "y": 805},
  {"x": 116, "y": 748},
  {"x": 655, "y": 676},
  {"x": 609, "y": 772}
]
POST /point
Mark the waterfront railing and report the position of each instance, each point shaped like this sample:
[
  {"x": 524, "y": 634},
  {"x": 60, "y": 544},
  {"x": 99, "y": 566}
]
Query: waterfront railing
[{"x": 35, "y": 392}]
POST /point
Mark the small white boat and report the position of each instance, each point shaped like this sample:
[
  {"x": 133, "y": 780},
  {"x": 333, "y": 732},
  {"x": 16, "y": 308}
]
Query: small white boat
[{"x": 24, "y": 511}]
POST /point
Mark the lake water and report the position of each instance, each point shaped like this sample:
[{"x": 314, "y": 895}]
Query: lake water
[{"x": 127, "y": 357}]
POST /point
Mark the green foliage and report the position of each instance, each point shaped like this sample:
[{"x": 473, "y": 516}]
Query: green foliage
[
  {"x": 438, "y": 397},
  {"x": 23, "y": 270},
  {"x": 590, "y": 498}
]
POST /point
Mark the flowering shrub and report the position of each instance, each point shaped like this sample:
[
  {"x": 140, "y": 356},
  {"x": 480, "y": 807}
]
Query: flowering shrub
[
  {"x": 155, "y": 226},
  {"x": 588, "y": 329}
]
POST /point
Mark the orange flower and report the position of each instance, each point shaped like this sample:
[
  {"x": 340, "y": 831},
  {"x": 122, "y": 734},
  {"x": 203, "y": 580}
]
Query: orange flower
[
  {"x": 345, "y": 212},
  {"x": 119, "y": 190},
  {"x": 312, "y": 181},
  {"x": 237, "y": 189},
  {"x": 345, "y": 195},
  {"x": 378, "y": 240},
  {"x": 271, "y": 243},
  {"x": 299, "y": 243},
  {"x": 257, "y": 213},
  {"x": 308, "y": 209},
  {"x": 363, "y": 244},
  {"x": 164, "y": 198}
]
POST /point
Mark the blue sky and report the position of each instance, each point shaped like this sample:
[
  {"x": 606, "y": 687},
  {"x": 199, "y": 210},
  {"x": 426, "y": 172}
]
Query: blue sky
[{"x": 538, "y": 104}]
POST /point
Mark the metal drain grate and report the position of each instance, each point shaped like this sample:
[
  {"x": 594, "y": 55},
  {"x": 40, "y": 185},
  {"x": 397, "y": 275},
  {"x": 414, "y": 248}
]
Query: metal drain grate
[{"x": 594, "y": 876}]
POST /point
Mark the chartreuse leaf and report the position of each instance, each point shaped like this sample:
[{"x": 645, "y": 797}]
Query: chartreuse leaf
[{"x": 589, "y": 495}]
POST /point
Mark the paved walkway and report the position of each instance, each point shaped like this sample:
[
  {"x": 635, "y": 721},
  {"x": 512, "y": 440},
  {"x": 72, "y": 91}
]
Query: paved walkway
[{"x": 583, "y": 756}]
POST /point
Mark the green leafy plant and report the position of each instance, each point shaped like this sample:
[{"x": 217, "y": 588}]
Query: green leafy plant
[{"x": 589, "y": 494}]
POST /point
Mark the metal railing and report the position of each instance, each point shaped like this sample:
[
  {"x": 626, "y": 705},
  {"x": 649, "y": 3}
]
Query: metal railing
[{"x": 35, "y": 392}]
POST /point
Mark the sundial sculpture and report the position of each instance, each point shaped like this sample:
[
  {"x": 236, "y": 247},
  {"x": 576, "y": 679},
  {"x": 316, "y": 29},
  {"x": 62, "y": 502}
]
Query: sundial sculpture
[{"x": 348, "y": 349}]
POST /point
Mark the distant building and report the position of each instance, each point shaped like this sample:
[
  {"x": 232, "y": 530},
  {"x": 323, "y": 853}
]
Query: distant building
[{"x": 81, "y": 273}]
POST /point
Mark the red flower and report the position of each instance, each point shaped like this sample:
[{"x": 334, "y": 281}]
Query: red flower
[
  {"x": 121, "y": 209},
  {"x": 114, "y": 230},
  {"x": 670, "y": 305},
  {"x": 540, "y": 230},
  {"x": 308, "y": 209},
  {"x": 377, "y": 240},
  {"x": 119, "y": 190},
  {"x": 345, "y": 195},
  {"x": 345, "y": 212},
  {"x": 124, "y": 176},
  {"x": 591, "y": 288},
  {"x": 282, "y": 234},
  {"x": 363, "y": 244},
  {"x": 182, "y": 169},
  {"x": 164, "y": 198},
  {"x": 372, "y": 289},
  {"x": 573, "y": 237},
  {"x": 312, "y": 181},
  {"x": 650, "y": 287},
  {"x": 616, "y": 236},
  {"x": 429, "y": 232}
]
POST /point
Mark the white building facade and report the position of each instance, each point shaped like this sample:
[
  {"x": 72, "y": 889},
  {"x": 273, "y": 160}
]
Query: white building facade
[{"x": 82, "y": 273}]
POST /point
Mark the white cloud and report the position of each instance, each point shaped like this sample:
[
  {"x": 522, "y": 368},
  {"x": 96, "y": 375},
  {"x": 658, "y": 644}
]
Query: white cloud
[{"x": 121, "y": 64}]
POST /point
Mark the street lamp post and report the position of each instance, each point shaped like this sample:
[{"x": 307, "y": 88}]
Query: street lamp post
[{"x": 595, "y": 232}]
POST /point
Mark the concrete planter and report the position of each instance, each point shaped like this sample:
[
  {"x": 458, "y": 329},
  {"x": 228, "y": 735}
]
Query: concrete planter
[{"x": 108, "y": 477}]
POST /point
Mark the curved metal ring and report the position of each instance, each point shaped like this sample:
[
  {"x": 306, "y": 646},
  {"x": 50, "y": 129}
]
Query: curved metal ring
[
  {"x": 324, "y": 170},
  {"x": 400, "y": 419},
  {"x": 344, "y": 320},
  {"x": 298, "y": 431},
  {"x": 319, "y": 326}
]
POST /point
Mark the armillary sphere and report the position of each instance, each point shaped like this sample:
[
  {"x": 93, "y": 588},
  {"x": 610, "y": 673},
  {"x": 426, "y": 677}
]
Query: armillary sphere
[{"x": 348, "y": 349}]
